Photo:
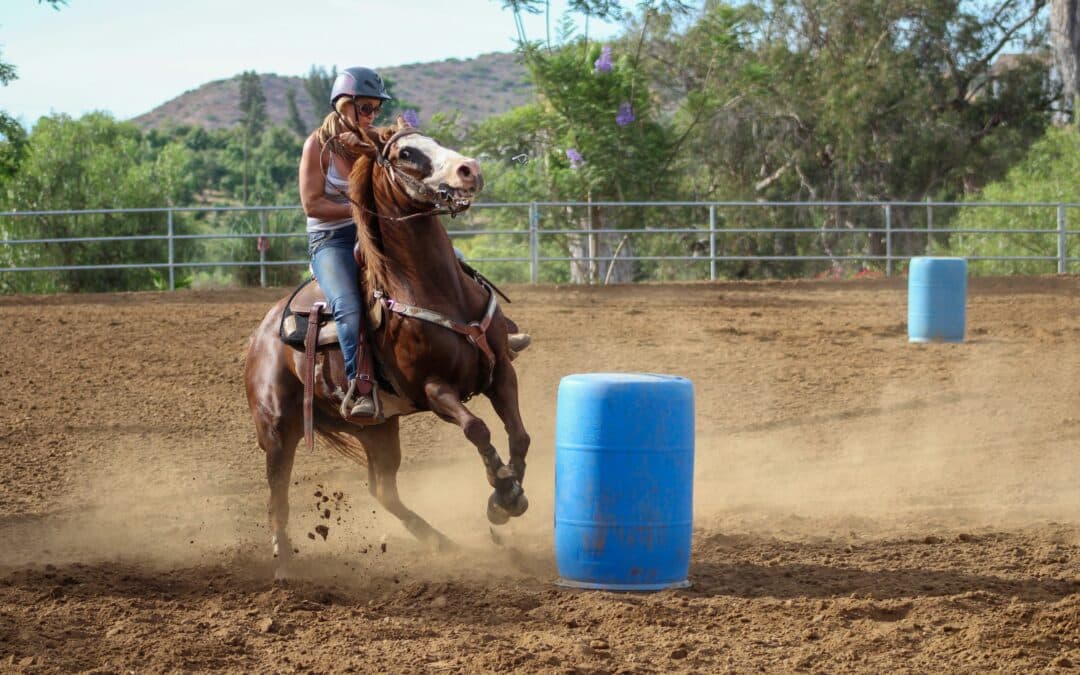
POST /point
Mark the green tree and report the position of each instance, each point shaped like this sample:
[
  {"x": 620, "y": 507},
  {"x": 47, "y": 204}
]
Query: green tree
[
  {"x": 252, "y": 104},
  {"x": 1065, "y": 43},
  {"x": 597, "y": 9},
  {"x": 12, "y": 134},
  {"x": 318, "y": 84},
  {"x": 253, "y": 118},
  {"x": 1046, "y": 174},
  {"x": 296, "y": 122},
  {"x": 862, "y": 100},
  {"x": 594, "y": 135},
  {"x": 91, "y": 163}
]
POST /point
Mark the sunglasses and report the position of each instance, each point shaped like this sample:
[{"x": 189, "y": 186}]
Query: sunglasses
[{"x": 366, "y": 109}]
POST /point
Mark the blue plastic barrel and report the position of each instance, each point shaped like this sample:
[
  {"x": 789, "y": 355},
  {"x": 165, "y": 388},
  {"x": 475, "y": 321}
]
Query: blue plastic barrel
[
  {"x": 624, "y": 474},
  {"x": 937, "y": 299}
]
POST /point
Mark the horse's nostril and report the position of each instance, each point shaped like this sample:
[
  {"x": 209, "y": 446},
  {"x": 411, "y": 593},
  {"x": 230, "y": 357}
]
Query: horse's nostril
[{"x": 469, "y": 170}]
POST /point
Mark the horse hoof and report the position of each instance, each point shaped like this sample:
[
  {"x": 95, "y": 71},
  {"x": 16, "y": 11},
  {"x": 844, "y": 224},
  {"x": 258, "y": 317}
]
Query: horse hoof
[
  {"x": 443, "y": 544},
  {"x": 496, "y": 514},
  {"x": 520, "y": 505}
]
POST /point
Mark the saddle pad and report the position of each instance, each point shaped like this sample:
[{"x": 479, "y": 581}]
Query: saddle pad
[{"x": 294, "y": 328}]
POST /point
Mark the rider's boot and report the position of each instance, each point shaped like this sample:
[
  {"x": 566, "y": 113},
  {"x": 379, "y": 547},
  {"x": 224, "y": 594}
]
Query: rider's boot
[
  {"x": 361, "y": 400},
  {"x": 518, "y": 341},
  {"x": 356, "y": 404}
]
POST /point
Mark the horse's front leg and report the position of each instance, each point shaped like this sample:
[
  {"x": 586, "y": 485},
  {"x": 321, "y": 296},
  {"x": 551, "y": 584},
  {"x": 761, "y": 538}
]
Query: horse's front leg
[
  {"x": 509, "y": 497},
  {"x": 504, "y": 399}
]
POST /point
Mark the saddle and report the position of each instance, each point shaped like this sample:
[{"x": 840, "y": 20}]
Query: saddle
[
  {"x": 307, "y": 324},
  {"x": 307, "y": 298}
]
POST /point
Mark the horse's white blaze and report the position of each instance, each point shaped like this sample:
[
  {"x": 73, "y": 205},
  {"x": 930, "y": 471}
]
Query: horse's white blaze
[{"x": 444, "y": 162}]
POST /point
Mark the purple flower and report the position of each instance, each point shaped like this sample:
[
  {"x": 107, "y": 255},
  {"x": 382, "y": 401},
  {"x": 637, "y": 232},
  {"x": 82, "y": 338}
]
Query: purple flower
[
  {"x": 576, "y": 160},
  {"x": 411, "y": 118},
  {"x": 603, "y": 64},
  {"x": 625, "y": 116}
]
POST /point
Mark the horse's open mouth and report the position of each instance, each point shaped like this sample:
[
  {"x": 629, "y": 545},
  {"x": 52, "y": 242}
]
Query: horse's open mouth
[{"x": 455, "y": 199}]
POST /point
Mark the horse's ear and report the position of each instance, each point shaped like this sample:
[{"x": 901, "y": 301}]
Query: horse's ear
[
  {"x": 363, "y": 145},
  {"x": 401, "y": 123},
  {"x": 384, "y": 134}
]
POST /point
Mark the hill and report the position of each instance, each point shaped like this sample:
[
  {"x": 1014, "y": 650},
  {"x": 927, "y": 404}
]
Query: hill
[{"x": 487, "y": 85}]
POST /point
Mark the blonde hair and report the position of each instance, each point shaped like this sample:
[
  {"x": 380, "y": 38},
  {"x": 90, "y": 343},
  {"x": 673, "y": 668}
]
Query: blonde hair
[{"x": 333, "y": 125}]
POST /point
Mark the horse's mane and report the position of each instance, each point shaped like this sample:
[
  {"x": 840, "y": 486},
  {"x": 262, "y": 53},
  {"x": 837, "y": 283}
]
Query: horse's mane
[{"x": 368, "y": 230}]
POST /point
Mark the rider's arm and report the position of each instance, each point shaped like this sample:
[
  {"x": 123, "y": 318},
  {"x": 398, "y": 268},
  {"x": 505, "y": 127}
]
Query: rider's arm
[{"x": 312, "y": 182}]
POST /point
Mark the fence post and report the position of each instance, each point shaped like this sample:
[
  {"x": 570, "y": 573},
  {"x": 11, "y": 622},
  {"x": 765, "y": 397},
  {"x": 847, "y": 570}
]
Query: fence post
[
  {"x": 888, "y": 240},
  {"x": 712, "y": 242},
  {"x": 262, "y": 249},
  {"x": 1063, "y": 248},
  {"x": 591, "y": 242},
  {"x": 929, "y": 226},
  {"x": 534, "y": 243},
  {"x": 172, "y": 254}
]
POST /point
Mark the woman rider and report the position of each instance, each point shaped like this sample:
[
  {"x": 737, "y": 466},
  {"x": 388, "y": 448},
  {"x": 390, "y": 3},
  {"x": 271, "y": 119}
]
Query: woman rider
[{"x": 357, "y": 96}]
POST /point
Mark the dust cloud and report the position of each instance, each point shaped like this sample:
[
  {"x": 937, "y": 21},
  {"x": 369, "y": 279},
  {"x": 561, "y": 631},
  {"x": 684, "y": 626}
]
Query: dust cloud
[{"x": 949, "y": 443}]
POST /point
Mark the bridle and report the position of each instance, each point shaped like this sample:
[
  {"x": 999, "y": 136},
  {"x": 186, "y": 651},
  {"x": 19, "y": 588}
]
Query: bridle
[
  {"x": 399, "y": 178},
  {"x": 405, "y": 181},
  {"x": 474, "y": 331}
]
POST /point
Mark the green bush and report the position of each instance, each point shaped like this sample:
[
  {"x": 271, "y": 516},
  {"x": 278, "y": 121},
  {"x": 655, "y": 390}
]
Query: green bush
[{"x": 1048, "y": 173}]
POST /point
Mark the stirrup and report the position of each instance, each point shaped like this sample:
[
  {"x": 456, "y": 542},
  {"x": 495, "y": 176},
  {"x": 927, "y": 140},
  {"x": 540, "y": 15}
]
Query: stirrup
[
  {"x": 364, "y": 406},
  {"x": 518, "y": 341}
]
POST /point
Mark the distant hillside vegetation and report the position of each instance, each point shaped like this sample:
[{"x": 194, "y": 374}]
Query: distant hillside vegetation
[{"x": 488, "y": 85}]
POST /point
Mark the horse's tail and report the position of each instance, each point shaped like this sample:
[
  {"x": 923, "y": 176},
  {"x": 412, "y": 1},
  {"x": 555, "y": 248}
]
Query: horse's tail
[{"x": 342, "y": 442}]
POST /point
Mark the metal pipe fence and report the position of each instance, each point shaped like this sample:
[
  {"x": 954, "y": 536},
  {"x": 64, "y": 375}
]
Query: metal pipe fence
[{"x": 574, "y": 242}]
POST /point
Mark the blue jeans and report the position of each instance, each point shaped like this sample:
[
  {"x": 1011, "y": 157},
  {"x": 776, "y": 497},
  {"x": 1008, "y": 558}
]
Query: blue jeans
[{"x": 337, "y": 273}]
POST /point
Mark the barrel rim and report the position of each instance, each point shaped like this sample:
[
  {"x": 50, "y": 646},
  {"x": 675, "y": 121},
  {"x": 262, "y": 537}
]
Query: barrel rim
[
  {"x": 938, "y": 257},
  {"x": 627, "y": 376}
]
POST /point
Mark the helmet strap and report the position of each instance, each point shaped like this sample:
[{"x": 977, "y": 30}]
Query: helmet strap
[
  {"x": 355, "y": 113},
  {"x": 352, "y": 125},
  {"x": 347, "y": 123}
]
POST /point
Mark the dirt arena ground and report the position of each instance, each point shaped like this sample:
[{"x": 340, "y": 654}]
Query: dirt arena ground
[{"x": 861, "y": 503}]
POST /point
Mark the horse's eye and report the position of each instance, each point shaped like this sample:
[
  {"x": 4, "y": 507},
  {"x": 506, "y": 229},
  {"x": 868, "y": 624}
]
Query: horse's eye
[{"x": 404, "y": 154}]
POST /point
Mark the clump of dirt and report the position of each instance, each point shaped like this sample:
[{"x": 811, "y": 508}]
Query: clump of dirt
[{"x": 329, "y": 506}]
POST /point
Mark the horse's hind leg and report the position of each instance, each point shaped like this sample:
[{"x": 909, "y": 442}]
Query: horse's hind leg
[
  {"x": 509, "y": 497},
  {"x": 383, "y": 446},
  {"x": 278, "y": 437}
]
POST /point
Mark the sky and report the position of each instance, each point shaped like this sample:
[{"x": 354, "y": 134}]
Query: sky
[{"x": 127, "y": 57}]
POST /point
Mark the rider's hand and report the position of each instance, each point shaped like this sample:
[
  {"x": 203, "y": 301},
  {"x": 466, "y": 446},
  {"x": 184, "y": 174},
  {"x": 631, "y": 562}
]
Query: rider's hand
[{"x": 351, "y": 140}]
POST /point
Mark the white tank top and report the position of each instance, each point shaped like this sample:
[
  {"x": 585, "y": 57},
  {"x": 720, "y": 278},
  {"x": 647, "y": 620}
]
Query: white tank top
[{"x": 334, "y": 182}]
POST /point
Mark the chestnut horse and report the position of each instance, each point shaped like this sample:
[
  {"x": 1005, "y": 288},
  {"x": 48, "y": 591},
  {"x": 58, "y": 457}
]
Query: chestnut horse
[{"x": 398, "y": 187}]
